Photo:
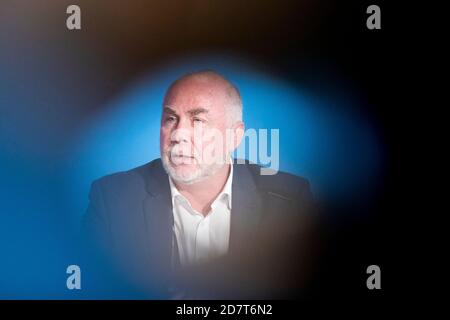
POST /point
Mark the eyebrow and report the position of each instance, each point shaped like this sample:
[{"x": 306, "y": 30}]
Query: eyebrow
[
  {"x": 192, "y": 112},
  {"x": 169, "y": 111},
  {"x": 197, "y": 111}
]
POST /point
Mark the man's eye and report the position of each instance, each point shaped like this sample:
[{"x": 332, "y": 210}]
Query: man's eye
[
  {"x": 170, "y": 119},
  {"x": 198, "y": 120}
]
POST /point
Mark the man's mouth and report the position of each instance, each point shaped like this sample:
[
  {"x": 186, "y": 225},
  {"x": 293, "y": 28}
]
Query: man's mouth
[
  {"x": 181, "y": 159},
  {"x": 181, "y": 156}
]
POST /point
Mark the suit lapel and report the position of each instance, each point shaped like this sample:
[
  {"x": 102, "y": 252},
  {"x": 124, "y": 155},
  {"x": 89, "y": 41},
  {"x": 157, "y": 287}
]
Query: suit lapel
[
  {"x": 158, "y": 217},
  {"x": 246, "y": 207},
  {"x": 246, "y": 211}
]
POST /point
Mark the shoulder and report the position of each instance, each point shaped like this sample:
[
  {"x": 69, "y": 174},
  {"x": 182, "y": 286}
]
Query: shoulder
[
  {"x": 129, "y": 179},
  {"x": 279, "y": 183}
]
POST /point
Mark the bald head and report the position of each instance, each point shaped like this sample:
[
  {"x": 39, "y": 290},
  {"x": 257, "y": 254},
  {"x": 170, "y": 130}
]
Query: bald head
[
  {"x": 208, "y": 87},
  {"x": 201, "y": 125}
]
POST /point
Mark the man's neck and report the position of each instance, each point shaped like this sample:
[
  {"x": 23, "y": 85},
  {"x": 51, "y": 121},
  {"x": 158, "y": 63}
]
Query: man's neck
[{"x": 201, "y": 194}]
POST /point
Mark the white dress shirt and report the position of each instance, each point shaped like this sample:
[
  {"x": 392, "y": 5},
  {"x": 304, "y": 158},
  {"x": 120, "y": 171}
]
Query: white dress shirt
[{"x": 199, "y": 237}]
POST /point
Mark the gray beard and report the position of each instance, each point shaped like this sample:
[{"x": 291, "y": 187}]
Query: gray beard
[{"x": 196, "y": 176}]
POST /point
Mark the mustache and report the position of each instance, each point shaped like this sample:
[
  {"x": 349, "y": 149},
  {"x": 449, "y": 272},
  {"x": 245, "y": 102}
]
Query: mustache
[{"x": 179, "y": 151}]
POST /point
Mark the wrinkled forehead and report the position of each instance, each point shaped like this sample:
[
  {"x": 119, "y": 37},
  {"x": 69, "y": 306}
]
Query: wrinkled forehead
[{"x": 192, "y": 93}]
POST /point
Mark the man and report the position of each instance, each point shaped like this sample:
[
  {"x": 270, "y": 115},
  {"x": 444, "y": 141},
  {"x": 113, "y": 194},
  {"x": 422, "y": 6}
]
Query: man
[{"x": 187, "y": 221}]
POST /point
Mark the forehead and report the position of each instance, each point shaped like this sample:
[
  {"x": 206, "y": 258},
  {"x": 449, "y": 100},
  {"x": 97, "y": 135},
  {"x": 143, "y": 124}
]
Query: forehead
[{"x": 192, "y": 94}]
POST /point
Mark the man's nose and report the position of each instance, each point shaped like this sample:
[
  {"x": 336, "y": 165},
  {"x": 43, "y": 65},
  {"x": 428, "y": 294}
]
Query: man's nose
[{"x": 182, "y": 132}]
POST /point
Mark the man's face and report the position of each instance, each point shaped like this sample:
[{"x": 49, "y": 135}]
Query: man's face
[{"x": 193, "y": 131}]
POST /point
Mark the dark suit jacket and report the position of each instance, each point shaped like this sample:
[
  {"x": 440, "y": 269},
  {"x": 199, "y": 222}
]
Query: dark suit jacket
[{"x": 130, "y": 214}]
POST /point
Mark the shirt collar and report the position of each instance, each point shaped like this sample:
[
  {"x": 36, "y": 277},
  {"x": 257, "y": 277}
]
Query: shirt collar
[{"x": 226, "y": 191}]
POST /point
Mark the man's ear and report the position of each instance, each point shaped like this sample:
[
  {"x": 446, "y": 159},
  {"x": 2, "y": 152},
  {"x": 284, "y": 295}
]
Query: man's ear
[{"x": 238, "y": 133}]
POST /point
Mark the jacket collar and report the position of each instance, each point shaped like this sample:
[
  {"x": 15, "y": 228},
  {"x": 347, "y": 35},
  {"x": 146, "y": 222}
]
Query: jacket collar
[{"x": 246, "y": 209}]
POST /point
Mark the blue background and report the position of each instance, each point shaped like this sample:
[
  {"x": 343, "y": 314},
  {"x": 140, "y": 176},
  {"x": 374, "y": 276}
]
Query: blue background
[{"x": 45, "y": 178}]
